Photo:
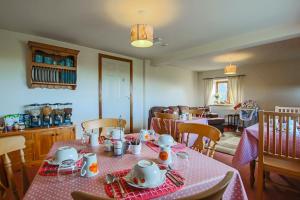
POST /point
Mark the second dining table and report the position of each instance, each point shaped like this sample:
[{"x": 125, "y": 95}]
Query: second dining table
[
  {"x": 247, "y": 150},
  {"x": 202, "y": 173}
]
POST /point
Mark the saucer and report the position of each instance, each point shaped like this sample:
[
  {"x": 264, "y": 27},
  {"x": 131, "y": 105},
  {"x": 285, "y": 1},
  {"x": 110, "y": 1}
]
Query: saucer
[
  {"x": 130, "y": 182},
  {"x": 53, "y": 162}
]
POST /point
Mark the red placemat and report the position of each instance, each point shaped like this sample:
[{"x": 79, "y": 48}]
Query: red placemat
[
  {"x": 176, "y": 148},
  {"x": 51, "y": 170},
  {"x": 133, "y": 193}
]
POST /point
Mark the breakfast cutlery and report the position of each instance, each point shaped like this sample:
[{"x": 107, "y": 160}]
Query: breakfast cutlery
[
  {"x": 169, "y": 169},
  {"x": 109, "y": 180},
  {"x": 117, "y": 179},
  {"x": 173, "y": 180}
]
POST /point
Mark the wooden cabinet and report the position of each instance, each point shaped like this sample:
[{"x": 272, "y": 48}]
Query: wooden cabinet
[
  {"x": 46, "y": 138},
  {"x": 43, "y": 142},
  {"x": 39, "y": 141}
]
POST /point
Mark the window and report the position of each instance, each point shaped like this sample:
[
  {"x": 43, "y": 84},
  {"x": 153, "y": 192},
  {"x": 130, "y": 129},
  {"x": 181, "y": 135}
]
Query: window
[{"x": 221, "y": 92}]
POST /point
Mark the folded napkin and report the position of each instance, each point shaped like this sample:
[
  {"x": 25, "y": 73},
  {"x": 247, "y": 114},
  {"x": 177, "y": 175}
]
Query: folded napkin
[
  {"x": 133, "y": 193},
  {"x": 175, "y": 148}
]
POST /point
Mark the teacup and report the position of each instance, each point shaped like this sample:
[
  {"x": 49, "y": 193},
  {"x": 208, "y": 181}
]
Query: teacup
[
  {"x": 144, "y": 135},
  {"x": 146, "y": 173},
  {"x": 165, "y": 140},
  {"x": 65, "y": 153},
  {"x": 90, "y": 165}
]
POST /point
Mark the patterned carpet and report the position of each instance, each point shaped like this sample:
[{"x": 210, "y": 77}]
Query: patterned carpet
[{"x": 228, "y": 143}]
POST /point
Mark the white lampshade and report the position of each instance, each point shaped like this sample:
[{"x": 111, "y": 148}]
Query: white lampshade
[
  {"x": 141, "y": 35},
  {"x": 230, "y": 69}
]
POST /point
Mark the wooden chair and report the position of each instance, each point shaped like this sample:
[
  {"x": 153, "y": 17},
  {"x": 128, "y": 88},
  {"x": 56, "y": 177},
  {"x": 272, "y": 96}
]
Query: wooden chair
[
  {"x": 214, "y": 193},
  {"x": 210, "y": 132},
  {"x": 166, "y": 123},
  {"x": 7, "y": 145},
  {"x": 78, "y": 195},
  {"x": 278, "y": 150},
  {"x": 197, "y": 112},
  {"x": 90, "y": 126},
  {"x": 287, "y": 109}
]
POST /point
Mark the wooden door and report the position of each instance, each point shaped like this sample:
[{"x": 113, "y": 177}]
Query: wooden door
[
  {"x": 43, "y": 143},
  {"x": 65, "y": 134}
]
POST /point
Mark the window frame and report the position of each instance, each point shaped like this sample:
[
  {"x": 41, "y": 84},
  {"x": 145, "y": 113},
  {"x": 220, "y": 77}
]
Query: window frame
[{"x": 217, "y": 82}]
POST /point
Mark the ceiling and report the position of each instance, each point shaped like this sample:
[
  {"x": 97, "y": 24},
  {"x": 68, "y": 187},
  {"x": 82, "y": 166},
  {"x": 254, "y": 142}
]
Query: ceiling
[
  {"x": 286, "y": 50},
  {"x": 194, "y": 29}
]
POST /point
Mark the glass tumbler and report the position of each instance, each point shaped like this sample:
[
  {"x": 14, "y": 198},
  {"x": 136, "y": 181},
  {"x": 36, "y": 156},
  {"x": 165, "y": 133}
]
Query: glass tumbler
[{"x": 67, "y": 170}]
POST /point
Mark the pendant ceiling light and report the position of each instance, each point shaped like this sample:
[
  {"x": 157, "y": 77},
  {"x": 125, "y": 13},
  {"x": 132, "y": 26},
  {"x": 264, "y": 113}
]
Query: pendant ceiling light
[
  {"x": 141, "y": 35},
  {"x": 230, "y": 69}
]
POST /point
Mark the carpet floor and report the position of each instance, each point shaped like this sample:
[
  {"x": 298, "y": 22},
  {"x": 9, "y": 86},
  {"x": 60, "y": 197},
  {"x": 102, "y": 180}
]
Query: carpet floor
[{"x": 228, "y": 143}]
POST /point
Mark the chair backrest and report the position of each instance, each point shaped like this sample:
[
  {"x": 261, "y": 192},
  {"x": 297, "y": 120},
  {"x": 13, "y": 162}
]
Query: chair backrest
[
  {"x": 7, "y": 145},
  {"x": 102, "y": 123},
  {"x": 214, "y": 193},
  {"x": 199, "y": 112},
  {"x": 278, "y": 135},
  {"x": 78, "y": 195},
  {"x": 165, "y": 115},
  {"x": 287, "y": 109},
  {"x": 203, "y": 131}
]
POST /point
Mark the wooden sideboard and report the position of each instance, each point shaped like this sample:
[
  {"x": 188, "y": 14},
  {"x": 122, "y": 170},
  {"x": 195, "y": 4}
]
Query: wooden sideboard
[{"x": 39, "y": 141}]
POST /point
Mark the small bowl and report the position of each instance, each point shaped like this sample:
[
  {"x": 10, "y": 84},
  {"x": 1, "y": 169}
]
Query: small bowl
[
  {"x": 65, "y": 153},
  {"x": 165, "y": 140},
  {"x": 146, "y": 173}
]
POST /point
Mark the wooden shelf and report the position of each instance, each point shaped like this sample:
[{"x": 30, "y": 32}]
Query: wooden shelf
[
  {"x": 58, "y": 54},
  {"x": 35, "y": 64},
  {"x": 50, "y": 83}
]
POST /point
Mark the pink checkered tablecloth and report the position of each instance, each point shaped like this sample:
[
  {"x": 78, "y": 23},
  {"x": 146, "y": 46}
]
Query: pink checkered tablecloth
[
  {"x": 247, "y": 149},
  {"x": 203, "y": 172}
]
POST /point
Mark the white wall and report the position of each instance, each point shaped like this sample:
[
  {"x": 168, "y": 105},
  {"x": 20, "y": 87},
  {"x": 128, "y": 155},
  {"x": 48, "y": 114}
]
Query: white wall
[
  {"x": 15, "y": 93},
  {"x": 152, "y": 86},
  {"x": 170, "y": 86},
  {"x": 269, "y": 84}
]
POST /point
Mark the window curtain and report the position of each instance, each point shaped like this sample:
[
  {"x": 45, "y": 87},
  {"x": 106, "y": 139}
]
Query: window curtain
[
  {"x": 235, "y": 89},
  {"x": 208, "y": 90}
]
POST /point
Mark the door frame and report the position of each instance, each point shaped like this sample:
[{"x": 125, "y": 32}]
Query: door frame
[{"x": 101, "y": 56}]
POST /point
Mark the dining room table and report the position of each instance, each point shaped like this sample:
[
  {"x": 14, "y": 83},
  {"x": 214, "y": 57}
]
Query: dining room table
[
  {"x": 201, "y": 173},
  {"x": 247, "y": 150}
]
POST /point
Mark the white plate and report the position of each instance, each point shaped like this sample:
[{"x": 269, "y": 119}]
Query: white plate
[
  {"x": 128, "y": 180},
  {"x": 53, "y": 162}
]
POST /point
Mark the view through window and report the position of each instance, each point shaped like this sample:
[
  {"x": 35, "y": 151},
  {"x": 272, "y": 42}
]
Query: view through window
[{"x": 221, "y": 92}]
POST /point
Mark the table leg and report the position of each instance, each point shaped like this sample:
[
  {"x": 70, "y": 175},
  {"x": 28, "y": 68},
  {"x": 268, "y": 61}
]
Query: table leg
[{"x": 252, "y": 172}]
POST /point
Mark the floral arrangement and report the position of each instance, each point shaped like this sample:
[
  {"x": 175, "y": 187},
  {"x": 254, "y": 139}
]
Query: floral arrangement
[
  {"x": 217, "y": 96},
  {"x": 250, "y": 104},
  {"x": 237, "y": 106}
]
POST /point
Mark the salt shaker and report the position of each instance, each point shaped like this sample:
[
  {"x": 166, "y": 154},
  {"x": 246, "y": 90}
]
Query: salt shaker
[{"x": 118, "y": 148}]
